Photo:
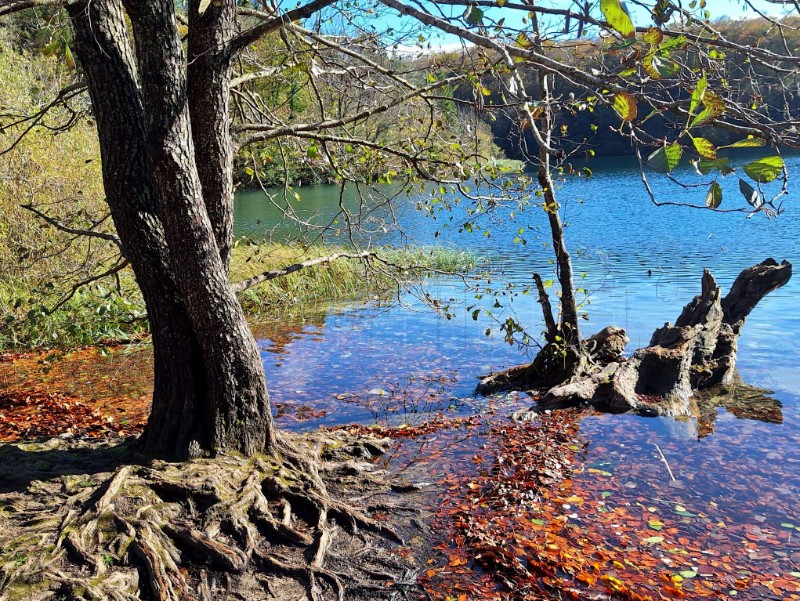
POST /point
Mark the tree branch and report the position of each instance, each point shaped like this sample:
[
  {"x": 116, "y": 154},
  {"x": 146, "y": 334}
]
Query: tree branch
[
  {"x": 243, "y": 285},
  {"x": 249, "y": 36},
  {"x": 11, "y": 6},
  {"x": 547, "y": 310},
  {"x": 268, "y": 132},
  {"x": 70, "y": 230},
  {"x": 245, "y": 77},
  {"x": 78, "y": 285}
]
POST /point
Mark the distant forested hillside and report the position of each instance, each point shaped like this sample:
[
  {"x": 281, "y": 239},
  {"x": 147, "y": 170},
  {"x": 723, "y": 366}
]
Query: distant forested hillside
[{"x": 584, "y": 126}]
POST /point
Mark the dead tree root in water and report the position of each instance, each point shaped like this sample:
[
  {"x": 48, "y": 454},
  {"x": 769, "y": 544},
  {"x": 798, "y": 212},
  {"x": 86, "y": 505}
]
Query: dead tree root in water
[
  {"x": 228, "y": 527},
  {"x": 697, "y": 353}
]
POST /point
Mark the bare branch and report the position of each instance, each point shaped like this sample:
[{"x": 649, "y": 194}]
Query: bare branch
[
  {"x": 71, "y": 230},
  {"x": 547, "y": 310},
  {"x": 36, "y": 118},
  {"x": 268, "y": 132},
  {"x": 238, "y": 287},
  {"x": 8, "y": 7},
  {"x": 78, "y": 285},
  {"x": 249, "y": 36},
  {"x": 269, "y": 72}
]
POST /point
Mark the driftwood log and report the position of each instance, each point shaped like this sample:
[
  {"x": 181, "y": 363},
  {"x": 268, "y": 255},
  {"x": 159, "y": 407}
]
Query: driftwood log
[{"x": 696, "y": 353}]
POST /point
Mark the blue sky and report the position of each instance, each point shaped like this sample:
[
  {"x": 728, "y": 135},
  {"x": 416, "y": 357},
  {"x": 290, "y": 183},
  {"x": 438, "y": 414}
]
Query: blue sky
[{"x": 387, "y": 18}]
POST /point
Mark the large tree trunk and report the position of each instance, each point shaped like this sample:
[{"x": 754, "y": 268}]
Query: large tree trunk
[{"x": 209, "y": 384}]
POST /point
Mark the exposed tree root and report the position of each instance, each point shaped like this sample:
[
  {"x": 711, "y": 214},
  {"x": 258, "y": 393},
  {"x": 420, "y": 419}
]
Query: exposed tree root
[
  {"x": 697, "y": 353},
  {"x": 205, "y": 529}
]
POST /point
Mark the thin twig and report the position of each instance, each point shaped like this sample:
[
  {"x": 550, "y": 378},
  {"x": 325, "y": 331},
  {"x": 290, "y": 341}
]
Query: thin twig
[
  {"x": 77, "y": 286},
  {"x": 70, "y": 230},
  {"x": 664, "y": 459}
]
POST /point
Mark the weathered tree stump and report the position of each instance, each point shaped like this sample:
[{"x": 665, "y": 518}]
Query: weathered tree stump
[{"x": 698, "y": 352}]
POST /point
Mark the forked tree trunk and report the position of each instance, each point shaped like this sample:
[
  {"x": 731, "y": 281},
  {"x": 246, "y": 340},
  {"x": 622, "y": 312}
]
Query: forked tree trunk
[{"x": 209, "y": 391}]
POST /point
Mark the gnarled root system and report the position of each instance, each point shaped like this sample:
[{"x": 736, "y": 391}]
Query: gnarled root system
[{"x": 207, "y": 529}]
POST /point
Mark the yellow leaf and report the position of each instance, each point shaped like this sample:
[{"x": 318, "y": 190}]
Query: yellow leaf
[
  {"x": 617, "y": 18},
  {"x": 705, "y": 148},
  {"x": 625, "y": 105}
]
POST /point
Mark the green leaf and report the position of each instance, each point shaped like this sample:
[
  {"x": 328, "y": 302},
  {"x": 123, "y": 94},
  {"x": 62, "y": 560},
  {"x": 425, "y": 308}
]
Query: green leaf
[
  {"x": 658, "y": 67},
  {"x": 51, "y": 48},
  {"x": 662, "y": 11},
  {"x": 654, "y": 540},
  {"x": 714, "y": 107},
  {"x": 787, "y": 525},
  {"x": 713, "y": 200},
  {"x": 673, "y": 44},
  {"x": 765, "y": 170},
  {"x": 473, "y": 15},
  {"x": 750, "y": 194},
  {"x": 538, "y": 522},
  {"x": 705, "y": 148},
  {"x": 688, "y": 573},
  {"x": 665, "y": 159},
  {"x": 617, "y": 17},
  {"x": 523, "y": 41},
  {"x": 625, "y": 105},
  {"x": 749, "y": 142},
  {"x": 795, "y": 574},
  {"x": 69, "y": 60},
  {"x": 622, "y": 45},
  {"x": 697, "y": 95},
  {"x": 605, "y": 494},
  {"x": 655, "y": 524}
]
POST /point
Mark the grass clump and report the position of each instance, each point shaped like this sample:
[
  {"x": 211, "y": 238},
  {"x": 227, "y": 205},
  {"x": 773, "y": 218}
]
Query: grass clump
[
  {"x": 343, "y": 279},
  {"x": 114, "y": 310}
]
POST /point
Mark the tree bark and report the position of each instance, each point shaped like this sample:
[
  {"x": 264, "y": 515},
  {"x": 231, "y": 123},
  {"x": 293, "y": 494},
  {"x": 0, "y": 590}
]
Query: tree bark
[
  {"x": 209, "y": 385},
  {"x": 179, "y": 398},
  {"x": 239, "y": 416},
  {"x": 698, "y": 352},
  {"x": 209, "y": 77}
]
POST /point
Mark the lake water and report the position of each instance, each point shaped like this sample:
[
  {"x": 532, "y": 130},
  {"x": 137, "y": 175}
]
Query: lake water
[{"x": 642, "y": 263}]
